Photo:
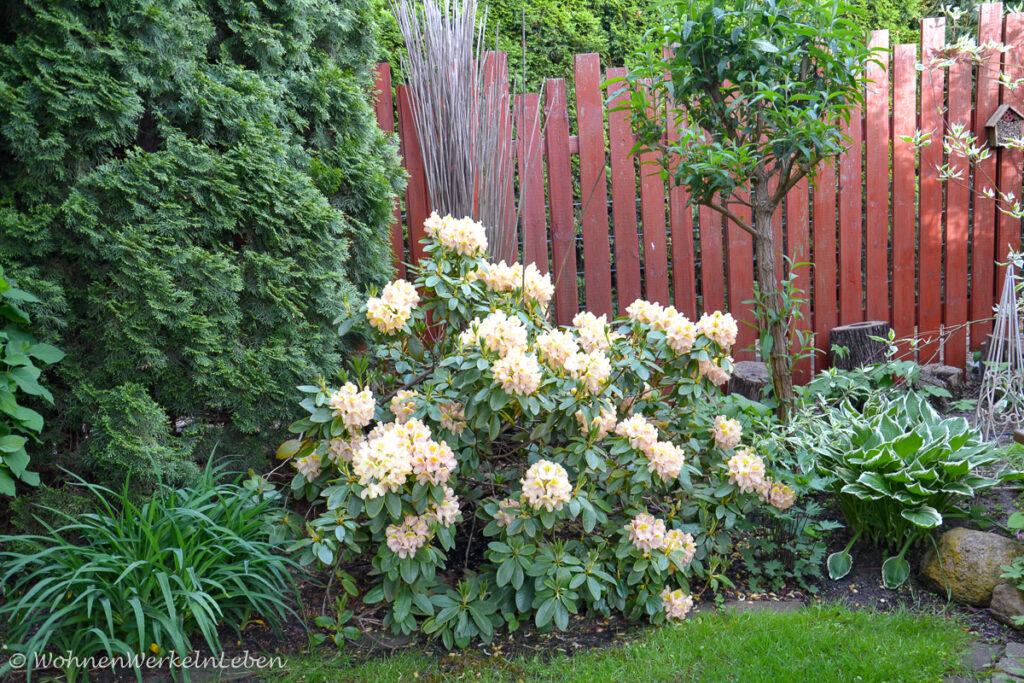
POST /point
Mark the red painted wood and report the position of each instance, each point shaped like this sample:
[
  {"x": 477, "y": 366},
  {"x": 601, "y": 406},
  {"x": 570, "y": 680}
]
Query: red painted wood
[
  {"x": 957, "y": 201},
  {"x": 1010, "y": 160},
  {"x": 877, "y": 172},
  {"x": 712, "y": 261},
  {"x": 780, "y": 263},
  {"x": 739, "y": 260},
  {"x": 826, "y": 312},
  {"x": 563, "y": 221},
  {"x": 904, "y": 212},
  {"x": 593, "y": 186},
  {"x": 384, "y": 108},
  {"x": 684, "y": 264},
  {"x": 982, "y": 286},
  {"x": 652, "y": 218},
  {"x": 851, "y": 306},
  {"x": 496, "y": 75},
  {"x": 929, "y": 303},
  {"x": 417, "y": 204},
  {"x": 620, "y": 144},
  {"x": 798, "y": 249},
  {"x": 529, "y": 155}
]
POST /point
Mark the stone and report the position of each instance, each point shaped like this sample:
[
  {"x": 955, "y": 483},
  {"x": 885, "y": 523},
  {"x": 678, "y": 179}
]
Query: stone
[
  {"x": 943, "y": 376},
  {"x": 1014, "y": 649},
  {"x": 982, "y": 656},
  {"x": 1007, "y": 603},
  {"x": 971, "y": 566}
]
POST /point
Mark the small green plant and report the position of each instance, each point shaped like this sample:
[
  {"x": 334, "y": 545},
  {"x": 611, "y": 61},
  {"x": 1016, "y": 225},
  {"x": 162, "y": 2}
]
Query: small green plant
[
  {"x": 899, "y": 468},
  {"x": 790, "y": 549},
  {"x": 338, "y": 625},
  {"x": 146, "y": 579},
  {"x": 23, "y": 357}
]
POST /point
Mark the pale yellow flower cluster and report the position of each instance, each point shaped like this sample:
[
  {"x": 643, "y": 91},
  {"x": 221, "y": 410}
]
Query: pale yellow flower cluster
[
  {"x": 508, "y": 510},
  {"x": 590, "y": 369},
  {"x": 406, "y": 538},
  {"x": 309, "y": 466},
  {"x": 394, "y": 451},
  {"x": 403, "y": 405},
  {"x": 601, "y": 426},
  {"x": 726, "y": 432},
  {"x": 666, "y": 460},
  {"x": 498, "y": 332},
  {"x": 354, "y": 407},
  {"x": 746, "y": 470},
  {"x": 557, "y": 348},
  {"x": 447, "y": 513},
  {"x": 518, "y": 373},
  {"x": 343, "y": 449},
  {"x": 642, "y": 434},
  {"x": 453, "y": 417},
  {"x": 392, "y": 309},
  {"x": 593, "y": 331},
  {"x": 677, "y": 604},
  {"x": 677, "y": 541},
  {"x": 680, "y": 332},
  {"x": 720, "y": 327},
  {"x": 546, "y": 485},
  {"x": 646, "y": 533},
  {"x": 537, "y": 286},
  {"x": 776, "y": 494},
  {"x": 461, "y": 235},
  {"x": 713, "y": 371}
]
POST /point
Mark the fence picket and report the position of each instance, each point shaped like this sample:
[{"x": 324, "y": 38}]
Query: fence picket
[
  {"x": 620, "y": 144},
  {"x": 904, "y": 211},
  {"x": 593, "y": 186},
  {"x": 739, "y": 262},
  {"x": 851, "y": 224},
  {"x": 1010, "y": 160},
  {"x": 957, "y": 201},
  {"x": 826, "y": 312},
  {"x": 798, "y": 243},
  {"x": 983, "y": 252},
  {"x": 563, "y": 219},
  {"x": 531, "y": 181},
  {"x": 417, "y": 204},
  {"x": 877, "y": 172},
  {"x": 929, "y": 298},
  {"x": 684, "y": 264}
]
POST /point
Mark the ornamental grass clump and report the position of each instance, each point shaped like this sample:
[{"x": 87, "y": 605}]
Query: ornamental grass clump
[
  {"x": 156, "y": 579},
  {"x": 561, "y": 470},
  {"x": 899, "y": 467}
]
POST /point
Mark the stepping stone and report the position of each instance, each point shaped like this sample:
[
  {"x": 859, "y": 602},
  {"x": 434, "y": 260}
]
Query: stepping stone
[{"x": 763, "y": 605}]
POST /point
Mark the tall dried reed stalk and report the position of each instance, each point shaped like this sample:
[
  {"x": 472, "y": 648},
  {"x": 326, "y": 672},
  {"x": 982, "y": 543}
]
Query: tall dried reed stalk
[{"x": 460, "y": 105}]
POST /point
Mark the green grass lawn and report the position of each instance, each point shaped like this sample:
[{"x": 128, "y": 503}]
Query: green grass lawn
[{"x": 820, "y": 643}]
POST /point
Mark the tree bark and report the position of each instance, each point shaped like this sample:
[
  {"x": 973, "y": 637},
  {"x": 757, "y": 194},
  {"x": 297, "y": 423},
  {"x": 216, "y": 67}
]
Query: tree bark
[
  {"x": 780, "y": 362},
  {"x": 862, "y": 349}
]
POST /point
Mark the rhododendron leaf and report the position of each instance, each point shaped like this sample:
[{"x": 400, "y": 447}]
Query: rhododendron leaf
[
  {"x": 423, "y": 602},
  {"x": 895, "y": 571},
  {"x": 394, "y": 506},
  {"x": 545, "y": 613},
  {"x": 403, "y": 603},
  {"x": 839, "y": 565},
  {"x": 505, "y": 571},
  {"x": 374, "y": 506},
  {"x": 410, "y": 570}
]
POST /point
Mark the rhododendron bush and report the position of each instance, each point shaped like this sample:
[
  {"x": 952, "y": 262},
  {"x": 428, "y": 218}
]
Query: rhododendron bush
[{"x": 495, "y": 468}]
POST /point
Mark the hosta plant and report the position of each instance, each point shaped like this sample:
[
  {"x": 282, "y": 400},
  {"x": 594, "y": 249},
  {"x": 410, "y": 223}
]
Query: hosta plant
[
  {"x": 576, "y": 469},
  {"x": 899, "y": 467}
]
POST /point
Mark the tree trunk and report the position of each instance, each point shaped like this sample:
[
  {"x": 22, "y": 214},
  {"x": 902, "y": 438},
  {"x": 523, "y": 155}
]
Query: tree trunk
[
  {"x": 749, "y": 378},
  {"x": 780, "y": 362}
]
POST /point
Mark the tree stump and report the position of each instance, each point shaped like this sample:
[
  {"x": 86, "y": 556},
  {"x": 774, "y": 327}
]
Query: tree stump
[
  {"x": 749, "y": 378},
  {"x": 856, "y": 337}
]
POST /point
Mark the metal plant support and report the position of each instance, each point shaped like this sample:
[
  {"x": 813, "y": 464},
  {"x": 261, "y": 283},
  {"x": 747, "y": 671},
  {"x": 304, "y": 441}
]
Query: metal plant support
[{"x": 1001, "y": 402}]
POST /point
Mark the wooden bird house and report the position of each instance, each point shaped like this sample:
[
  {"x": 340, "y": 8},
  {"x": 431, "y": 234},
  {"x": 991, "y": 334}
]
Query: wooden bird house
[{"x": 1005, "y": 124}]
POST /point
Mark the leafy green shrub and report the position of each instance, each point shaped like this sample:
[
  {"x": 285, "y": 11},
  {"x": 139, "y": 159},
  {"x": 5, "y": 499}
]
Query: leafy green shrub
[
  {"x": 23, "y": 358},
  {"x": 899, "y": 467},
  {"x": 184, "y": 184},
  {"x": 145, "y": 579},
  {"x": 591, "y": 458}
]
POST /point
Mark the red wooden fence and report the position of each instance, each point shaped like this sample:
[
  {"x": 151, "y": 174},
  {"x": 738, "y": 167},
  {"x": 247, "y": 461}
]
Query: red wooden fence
[{"x": 877, "y": 235}]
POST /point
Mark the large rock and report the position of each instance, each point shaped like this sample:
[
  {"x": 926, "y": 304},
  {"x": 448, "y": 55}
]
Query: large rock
[
  {"x": 971, "y": 564},
  {"x": 1007, "y": 603}
]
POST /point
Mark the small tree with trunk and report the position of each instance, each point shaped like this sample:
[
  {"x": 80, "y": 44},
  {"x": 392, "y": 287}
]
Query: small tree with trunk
[{"x": 757, "y": 91}]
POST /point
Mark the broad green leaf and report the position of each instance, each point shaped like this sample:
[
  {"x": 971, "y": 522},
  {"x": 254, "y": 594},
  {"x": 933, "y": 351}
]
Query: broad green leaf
[
  {"x": 895, "y": 571},
  {"x": 924, "y": 516},
  {"x": 839, "y": 565}
]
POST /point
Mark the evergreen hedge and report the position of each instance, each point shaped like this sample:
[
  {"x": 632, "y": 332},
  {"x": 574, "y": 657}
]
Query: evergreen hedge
[{"x": 194, "y": 188}]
